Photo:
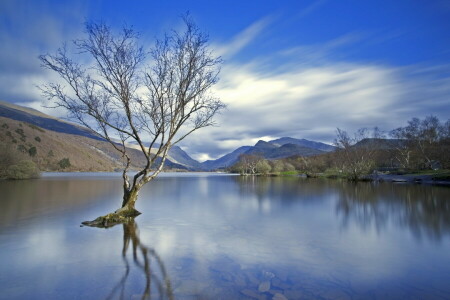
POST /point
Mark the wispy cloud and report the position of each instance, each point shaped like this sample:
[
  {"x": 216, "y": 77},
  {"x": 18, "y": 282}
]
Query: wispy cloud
[
  {"x": 311, "y": 8},
  {"x": 243, "y": 39}
]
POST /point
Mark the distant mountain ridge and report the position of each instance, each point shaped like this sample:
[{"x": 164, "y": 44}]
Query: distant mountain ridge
[
  {"x": 275, "y": 149},
  {"x": 303, "y": 142},
  {"x": 226, "y": 160}
]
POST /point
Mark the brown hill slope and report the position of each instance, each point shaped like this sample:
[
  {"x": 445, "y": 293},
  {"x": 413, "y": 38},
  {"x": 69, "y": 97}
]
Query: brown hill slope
[{"x": 51, "y": 150}]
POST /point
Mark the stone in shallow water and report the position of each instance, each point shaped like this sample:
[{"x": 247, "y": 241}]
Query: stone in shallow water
[
  {"x": 264, "y": 286},
  {"x": 279, "y": 296}
]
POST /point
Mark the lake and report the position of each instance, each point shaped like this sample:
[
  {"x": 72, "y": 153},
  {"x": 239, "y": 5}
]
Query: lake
[{"x": 212, "y": 236}]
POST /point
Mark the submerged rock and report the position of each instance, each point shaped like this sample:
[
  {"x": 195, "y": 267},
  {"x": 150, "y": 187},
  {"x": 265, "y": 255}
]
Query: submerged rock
[
  {"x": 264, "y": 286},
  {"x": 279, "y": 296}
]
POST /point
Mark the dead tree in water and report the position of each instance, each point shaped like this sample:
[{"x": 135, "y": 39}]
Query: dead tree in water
[{"x": 126, "y": 93}]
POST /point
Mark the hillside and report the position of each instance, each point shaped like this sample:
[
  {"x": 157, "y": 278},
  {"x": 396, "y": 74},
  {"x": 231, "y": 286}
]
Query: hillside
[{"x": 55, "y": 145}]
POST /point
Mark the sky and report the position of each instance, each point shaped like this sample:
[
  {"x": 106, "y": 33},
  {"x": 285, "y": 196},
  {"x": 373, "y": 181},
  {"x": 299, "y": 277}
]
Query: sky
[{"x": 291, "y": 68}]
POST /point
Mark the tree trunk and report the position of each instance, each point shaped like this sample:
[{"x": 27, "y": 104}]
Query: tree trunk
[
  {"x": 123, "y": 215},
  {"x": 129, "y": 200}
]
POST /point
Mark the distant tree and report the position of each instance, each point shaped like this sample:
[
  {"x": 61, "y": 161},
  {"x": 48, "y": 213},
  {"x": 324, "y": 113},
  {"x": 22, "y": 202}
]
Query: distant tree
[
  {"x": 277, "y": 166},
  {"x": 403, "y": 149},
  {"x": 263, "y": 167},
  {"x": 289, "y": 167},
  {"x": 248, "y": 163},
  {"x": 354, "y": 160},
  {"x": 32, "y": 151},
  {"x": 422, "y": 139},
  {"x": 24, "y": 169},
  {"x": 124, "y": 95},
  {"x": 64, "y": 163},
  {"x": 15, "y": 165}
]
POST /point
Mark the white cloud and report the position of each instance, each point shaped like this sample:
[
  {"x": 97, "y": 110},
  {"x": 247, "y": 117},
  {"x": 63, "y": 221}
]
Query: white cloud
[{"x": 310, "y": 101}]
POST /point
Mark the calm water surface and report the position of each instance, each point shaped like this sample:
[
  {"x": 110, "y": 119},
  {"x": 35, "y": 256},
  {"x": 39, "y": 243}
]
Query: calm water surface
[{"x": 208, "y": 236}]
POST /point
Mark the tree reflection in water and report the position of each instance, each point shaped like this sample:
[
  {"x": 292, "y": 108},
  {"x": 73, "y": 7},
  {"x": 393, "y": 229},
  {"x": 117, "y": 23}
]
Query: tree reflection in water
[
  {"x": 423, "y": 209},
  {"x": 143, "y": 257}
]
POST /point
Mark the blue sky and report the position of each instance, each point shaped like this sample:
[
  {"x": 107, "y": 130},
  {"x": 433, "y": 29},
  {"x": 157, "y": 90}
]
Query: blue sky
[{"x": 292, "y": 68}]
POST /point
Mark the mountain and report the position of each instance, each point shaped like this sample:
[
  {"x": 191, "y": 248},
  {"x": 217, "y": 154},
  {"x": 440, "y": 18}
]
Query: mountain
[
  {"x": 226, "y": 160},
  {"x": 262, "y": 148},
  {"x": 48, "y": 141},
  {"x": 269, "y": 150},
  {"x": 176, "y": 155},
  {"x": 179, "y": 156},
  {"x": 302, "y": 142},
  {"x": 288, "y": 150}
]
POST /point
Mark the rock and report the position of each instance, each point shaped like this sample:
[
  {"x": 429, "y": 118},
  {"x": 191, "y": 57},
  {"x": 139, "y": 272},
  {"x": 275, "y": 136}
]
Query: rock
[
  {"x": 279, "y": 296},
  {"x": 264, "y": 286}
]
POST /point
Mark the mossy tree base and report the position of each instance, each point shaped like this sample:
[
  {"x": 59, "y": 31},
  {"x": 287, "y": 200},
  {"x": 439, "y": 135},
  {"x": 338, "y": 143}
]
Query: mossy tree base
[{"x": 121, "y": 216}]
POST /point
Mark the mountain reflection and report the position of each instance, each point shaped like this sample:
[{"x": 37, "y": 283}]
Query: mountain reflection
[
  {"x": 147, "y": 261},
  {"x": 284, "y": 189},
  {"x": 423, "y": 209}
]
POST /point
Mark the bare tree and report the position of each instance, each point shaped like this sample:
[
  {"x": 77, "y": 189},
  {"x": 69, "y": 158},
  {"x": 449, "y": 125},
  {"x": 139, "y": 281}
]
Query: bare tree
[
  {"x": 403, "y": 150},
  {"x": 128, "y": 94},
  {"x": 355, "y": 158},
  {"x": 248, "y": 163},
  {"x": 426, "y": 140}
]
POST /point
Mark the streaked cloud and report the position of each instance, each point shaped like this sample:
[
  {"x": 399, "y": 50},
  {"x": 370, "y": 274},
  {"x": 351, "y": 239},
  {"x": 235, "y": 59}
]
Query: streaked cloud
[
  {"x": 304, "y": 99},
  {"x": 242, "y": 39}
]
